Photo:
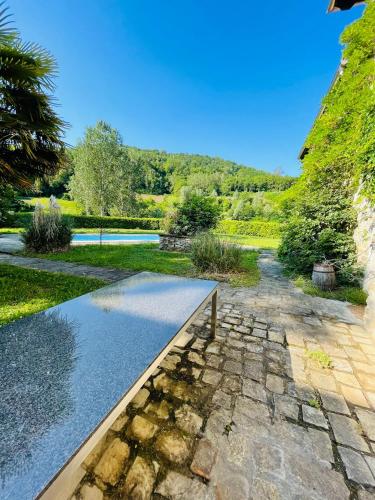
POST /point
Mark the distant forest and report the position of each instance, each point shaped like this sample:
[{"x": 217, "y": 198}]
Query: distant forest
[{"x": 157, "y": 172}]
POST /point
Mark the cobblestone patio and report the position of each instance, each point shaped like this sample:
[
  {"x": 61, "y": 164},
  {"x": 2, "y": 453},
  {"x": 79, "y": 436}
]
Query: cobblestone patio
[{"x": 250, "y": 415}]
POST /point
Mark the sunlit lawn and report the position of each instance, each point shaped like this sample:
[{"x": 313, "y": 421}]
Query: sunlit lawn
[
  {"x": 147, "y": 257},
  {"x": 251, "y": 241},
  {"x": 352, "y": 294},
  {"x": 67, "y": 206},
  {"x": 26, "y": 291}
]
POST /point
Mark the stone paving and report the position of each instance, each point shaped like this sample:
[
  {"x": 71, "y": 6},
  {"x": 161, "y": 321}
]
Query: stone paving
[
  {"x": 258, "y": 413},
  {"x": 103, "y": 273}
]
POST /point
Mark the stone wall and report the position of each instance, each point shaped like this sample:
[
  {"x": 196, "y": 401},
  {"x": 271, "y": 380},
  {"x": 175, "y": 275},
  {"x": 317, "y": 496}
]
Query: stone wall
[
  {"x": 364, "y": 237},
  {"x": 174, "y": 243}
]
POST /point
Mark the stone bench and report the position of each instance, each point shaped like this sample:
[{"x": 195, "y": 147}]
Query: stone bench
[{"x": 67, "y": 373}]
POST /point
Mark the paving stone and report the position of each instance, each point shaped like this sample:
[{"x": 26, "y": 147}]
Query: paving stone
[
  {"x": 231, "y": 384},
  {"x": 354, "y": 396},
  {"x": 159, "y": 409},
  {"x": 342, "y": 365},
  {"x": 347, "y": 432},
  {"x": 242, "y": 329},
  {"x": 254, "y": 390},
  {"x": 213, "y": 348},
  {"x": 211, "y": 377},
  {"x": 163, "y": 383},
  {"x": 232, "y": 320},
  {"x": 314, "y": 416},
  {"x": 178, "y": 487},
  {"x": 195, "y": 358},
  {"x": 90, "y": 492},
  {"x": 140, "y": 480},
  {"x": 367, "y": 421},
  {"x": 305, "y": 391},
  {"x": 120, "y": 422},
  {"x": 199, "y": 344},
  {"x": 347, "y": 379},
  {"x": 294, "y": 338},
  {"x": 238, "y": 344},
  {"x": 365, "y": 495},
  {"x": 334, "y": 402},
  {"x": 371, "y": 463},
  {"x": 275, "y": 336},
  {"x": 321, "y": 444},
  {"x": 187, "y": 420},
  {"x": 232, "y": 486},
  {"x": 222, "y": 399},
  {"x": 355, "y": 354},
  {"x": 253, "y": 370},
  {"x": 322, "y": 381},
  {"x": 233, "y": 367},
  {"x": 254, "y": 348},
  {"x": 364, "y": 367},
  {"x": 366, "y": 380},
  {"x": 286, "y": 406},
  {"x": 93, "y": 458},
  {"x": 140, "y": 398},
  {"x": 275, "y": 383},
  {"x": 356, "y": 467},
  {"x": 213, "y": 360},
  {"x": 110, "y": 466},
  {"x": 142, "y": 429},
  {"x": 246, "y": 409},
  {"x": 170, "y": 362},
  {"x": 204, "y": 459},
  {"x": 173, "y": 446},
  {"x": 257, "y": 332}
]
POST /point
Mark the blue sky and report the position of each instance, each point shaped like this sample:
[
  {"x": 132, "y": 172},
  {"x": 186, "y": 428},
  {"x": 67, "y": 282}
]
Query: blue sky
[{"x": 241, "y": 79}]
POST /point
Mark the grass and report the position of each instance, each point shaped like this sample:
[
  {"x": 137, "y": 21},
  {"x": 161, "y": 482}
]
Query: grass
[
  {"x": 314, "y": 403},
  {"x": 352, "y": 294},
  {"x": 147, "y": 257},
  {"x": 251, "y": 241},
  {"x": 320, "y": 357},
  {"x": 26, "y": 291},
  {"x": 67, "y": 206}
]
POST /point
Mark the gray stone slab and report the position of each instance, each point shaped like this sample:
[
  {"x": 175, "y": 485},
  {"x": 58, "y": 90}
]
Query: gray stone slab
[
  {"x": 63, "y": 370},
  {"x": 356, "y": 467},
  {"x": 347, "y": 432}
]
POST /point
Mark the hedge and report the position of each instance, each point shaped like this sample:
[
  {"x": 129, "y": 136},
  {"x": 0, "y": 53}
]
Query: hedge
[
  {"x": 250, "y": 228},
  {"x": 264, "y": 229},
  {"x": 89, "y": 221}
]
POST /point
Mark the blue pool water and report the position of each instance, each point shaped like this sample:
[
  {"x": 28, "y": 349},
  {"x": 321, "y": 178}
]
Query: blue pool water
[{"x": 147, "y": 238}]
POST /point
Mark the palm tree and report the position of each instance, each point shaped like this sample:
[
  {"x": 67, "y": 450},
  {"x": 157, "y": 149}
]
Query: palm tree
[{"x": 31, "y": 132}]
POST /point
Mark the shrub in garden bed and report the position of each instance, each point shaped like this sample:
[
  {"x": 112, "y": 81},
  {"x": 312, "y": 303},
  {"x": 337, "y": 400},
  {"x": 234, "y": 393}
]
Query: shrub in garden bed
[
  {"x": 48, "y": 230},
  {"x": 210, "y": 254}
]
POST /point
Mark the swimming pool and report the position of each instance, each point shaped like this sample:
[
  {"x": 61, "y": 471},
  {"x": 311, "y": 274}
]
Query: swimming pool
[{"x": 116, "y": 238}]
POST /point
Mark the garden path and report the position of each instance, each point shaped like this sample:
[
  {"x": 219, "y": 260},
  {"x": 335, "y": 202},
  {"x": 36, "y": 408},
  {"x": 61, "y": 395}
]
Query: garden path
[
  {"x": 103, "y": 273},
  {"x": 251, "y": 415}
]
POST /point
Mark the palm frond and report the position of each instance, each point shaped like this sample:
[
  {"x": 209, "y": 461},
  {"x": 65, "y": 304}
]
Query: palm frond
[{"x": 7, "y": 32}]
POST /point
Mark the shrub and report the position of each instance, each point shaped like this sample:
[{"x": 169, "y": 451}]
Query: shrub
[
  {"x": 48, "y": 231},
  {"x": 89, "y": 221},
  {"x": 197, "y": 213},
  {"x": 209, "y": 253},
  {"x": 264, "y": 229}
]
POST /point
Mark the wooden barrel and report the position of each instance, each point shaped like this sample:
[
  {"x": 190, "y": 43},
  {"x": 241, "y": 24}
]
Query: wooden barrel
[{"x": 324, "y": 277}]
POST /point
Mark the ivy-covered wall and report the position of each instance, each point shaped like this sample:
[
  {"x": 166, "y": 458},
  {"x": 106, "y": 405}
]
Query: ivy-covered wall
[{"x": 341, "y": 157}]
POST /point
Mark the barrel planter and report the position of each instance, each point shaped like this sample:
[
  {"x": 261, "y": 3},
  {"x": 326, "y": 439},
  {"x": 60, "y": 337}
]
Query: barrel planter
[{"x": 324, "y": 276}]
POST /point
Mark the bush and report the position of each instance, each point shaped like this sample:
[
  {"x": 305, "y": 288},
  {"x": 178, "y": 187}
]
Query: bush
[
  {"x": 48, "y": 231},
  {"x": 88, "y": 221},
  {"x": 197, "y": 213},
  {"x": 264, "y": 229},
  {"x": 209, "y": 253}
]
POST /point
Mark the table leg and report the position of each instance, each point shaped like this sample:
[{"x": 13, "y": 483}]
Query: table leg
[{"x": 213, "y": 314}]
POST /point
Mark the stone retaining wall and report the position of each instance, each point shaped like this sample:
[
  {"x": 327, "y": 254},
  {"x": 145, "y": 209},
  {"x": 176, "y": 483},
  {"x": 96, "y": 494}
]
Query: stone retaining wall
[
  {"x": 174, "y": 243},
  {"x": 364, "y": 237}
]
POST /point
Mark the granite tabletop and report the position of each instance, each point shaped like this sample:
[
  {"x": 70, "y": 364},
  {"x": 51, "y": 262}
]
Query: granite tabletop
[{"x": 63, "y": 370}]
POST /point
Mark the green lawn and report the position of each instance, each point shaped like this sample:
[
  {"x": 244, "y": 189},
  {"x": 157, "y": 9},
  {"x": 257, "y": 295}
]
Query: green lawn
[
  {"x": 147, "y": 257},
  {"x": 251, "y": 241},
  {"x": 25, "y": 291},
  {"x": 67, "y": 206},
  {"x": 352, "y": 294}
]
